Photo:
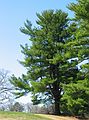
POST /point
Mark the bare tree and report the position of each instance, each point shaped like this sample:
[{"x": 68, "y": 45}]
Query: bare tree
[
  {"x": 17, "y": 107},
  {"x": 5, "y": 89},
  {"x": 29, "y": 107}
]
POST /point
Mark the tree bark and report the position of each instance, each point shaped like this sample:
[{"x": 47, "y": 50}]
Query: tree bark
[
  {"x": 57, "y": 96},
  {"x": 57, "y": 107},
  {"x": 56, "y": 90}
]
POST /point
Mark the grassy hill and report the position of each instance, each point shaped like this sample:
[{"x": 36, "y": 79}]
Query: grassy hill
[
  {"x": 28, "y": 116},
  {"x": 20, "y": 116}
]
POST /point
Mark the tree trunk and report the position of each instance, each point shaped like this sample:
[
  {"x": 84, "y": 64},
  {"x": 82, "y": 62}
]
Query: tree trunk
[
  {"x": 56, "y": 90},
  {"x": 57, "y": 96},
  {"x": 57, "y": 107}
]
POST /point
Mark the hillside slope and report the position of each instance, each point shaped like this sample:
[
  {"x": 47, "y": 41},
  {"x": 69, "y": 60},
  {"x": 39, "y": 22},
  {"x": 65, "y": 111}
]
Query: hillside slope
[{"x": 28, "y": 116}]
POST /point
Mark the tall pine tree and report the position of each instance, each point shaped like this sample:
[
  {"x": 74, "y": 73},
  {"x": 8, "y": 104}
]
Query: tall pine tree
[{"x": 48, "y": 58}]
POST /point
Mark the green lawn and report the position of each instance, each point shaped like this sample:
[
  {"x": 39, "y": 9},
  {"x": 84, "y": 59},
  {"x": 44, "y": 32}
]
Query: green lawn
[{"x": 20, "y": 116}]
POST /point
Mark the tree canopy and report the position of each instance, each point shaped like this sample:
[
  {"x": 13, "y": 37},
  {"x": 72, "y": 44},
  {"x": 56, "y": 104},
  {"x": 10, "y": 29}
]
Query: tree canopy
[
  {"x": 76, "y": 95},
  {"x": 58, "y": 46},
  {"x": 46, "y": 59}
]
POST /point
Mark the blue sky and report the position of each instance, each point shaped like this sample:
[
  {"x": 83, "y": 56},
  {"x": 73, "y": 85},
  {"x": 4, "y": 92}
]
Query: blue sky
[{"x": 13, "y": 14}]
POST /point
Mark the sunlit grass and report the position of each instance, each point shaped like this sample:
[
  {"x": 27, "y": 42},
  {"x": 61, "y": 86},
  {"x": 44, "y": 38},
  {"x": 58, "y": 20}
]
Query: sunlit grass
[{"x": 20, "y": 116}]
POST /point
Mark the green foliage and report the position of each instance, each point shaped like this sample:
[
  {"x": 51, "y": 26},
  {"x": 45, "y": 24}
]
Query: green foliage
[
  {"x": 58, "y": 45},
  {"x": 46, "y": 59},
  {"x": 76, "y": 97},
  {"x": 81, "y": 11},
  {"x": 75, "y": 100},
  {"x": 22, "y": 86}
]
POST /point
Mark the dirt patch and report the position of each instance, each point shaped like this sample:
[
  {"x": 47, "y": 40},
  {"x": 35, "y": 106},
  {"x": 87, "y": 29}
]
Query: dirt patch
[{"x": 53, "y": 117}]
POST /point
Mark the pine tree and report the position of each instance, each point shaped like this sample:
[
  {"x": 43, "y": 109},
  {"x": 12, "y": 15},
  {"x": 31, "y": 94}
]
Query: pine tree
[
  {"x": 76, "y": 96},
  {"x": 81, "y": 12},
  {"x": 48, "y": 58}
]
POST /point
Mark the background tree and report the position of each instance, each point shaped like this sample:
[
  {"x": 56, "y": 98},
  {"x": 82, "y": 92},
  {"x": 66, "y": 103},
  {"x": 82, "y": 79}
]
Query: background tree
[
  {"x": 17, "y": 107},
  {"x": 76, "y": 97},
  {"x": 41, "y": 109},
  {"x": 47, "y": 59},
  {"x": 81, "y": 12},
  {"x": 5, "y": 89}
]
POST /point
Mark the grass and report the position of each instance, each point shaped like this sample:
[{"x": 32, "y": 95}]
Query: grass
[{"x": 20, "y": 116}]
